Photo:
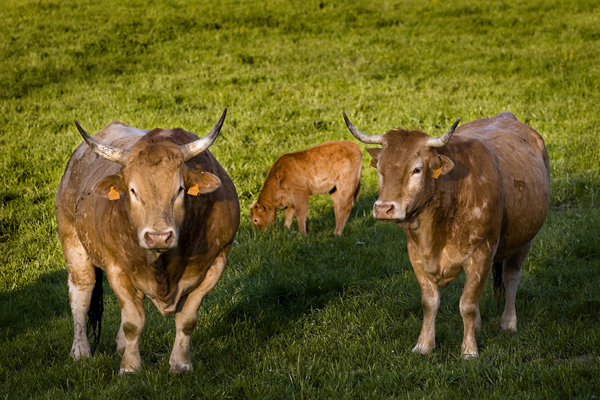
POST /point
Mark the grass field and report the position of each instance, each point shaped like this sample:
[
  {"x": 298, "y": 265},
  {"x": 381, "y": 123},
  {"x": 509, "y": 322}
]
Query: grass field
[{"x": 317, "y": 316}]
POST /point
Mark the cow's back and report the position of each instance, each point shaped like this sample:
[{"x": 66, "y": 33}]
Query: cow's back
[
  {"x": 321, "y": 167},
  {"x": 522, "y": 163}
]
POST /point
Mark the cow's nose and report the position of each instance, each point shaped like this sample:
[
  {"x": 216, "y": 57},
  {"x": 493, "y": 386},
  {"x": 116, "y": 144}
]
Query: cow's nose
[
  {"x": 159, "y": 240},
  {"x": 385, "y": 210}
]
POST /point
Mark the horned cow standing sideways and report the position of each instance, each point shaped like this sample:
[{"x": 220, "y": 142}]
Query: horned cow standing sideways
[
  {"x": 157, "y": 213},
  {"x": 331, "y": 167},
  {"x": 465, "y": 204}
]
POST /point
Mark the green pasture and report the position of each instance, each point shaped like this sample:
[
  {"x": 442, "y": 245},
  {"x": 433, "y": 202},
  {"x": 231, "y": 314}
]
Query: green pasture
[{"x": 294, "y": 317}]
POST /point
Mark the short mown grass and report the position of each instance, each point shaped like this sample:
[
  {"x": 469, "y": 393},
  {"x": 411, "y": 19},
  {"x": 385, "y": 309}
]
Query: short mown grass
[{"x": 317, "y": 316}]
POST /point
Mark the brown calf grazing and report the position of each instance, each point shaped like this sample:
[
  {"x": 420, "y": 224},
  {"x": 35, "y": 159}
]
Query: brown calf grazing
[
  {"x": 331, "y": 167},
  {"x": 465, "y": 204},
  {"x": 157, "y": 213}
]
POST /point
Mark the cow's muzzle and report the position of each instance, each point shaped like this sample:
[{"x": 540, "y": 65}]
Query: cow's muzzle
[
  {"x": 388, "y": 210},
  {"x": 158, "y": 241}
]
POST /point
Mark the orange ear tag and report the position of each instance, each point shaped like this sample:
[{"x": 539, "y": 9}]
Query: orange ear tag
[
  {"x": 113, "y": 194},
  {"x": 194, "y": 190},
  {"x": 436, "y": 173}
]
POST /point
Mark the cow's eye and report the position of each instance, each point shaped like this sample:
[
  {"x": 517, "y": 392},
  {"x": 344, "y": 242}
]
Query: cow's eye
[
  {"x": 416, "y": 171},
  {"x": 132, "y": 191}
]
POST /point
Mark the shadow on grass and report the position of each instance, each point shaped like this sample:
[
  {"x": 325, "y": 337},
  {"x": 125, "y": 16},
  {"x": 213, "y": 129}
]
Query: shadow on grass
[{"x": 34, "y": 305}]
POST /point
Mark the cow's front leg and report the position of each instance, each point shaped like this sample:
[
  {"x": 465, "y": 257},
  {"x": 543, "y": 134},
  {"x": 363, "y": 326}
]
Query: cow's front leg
[
  {"x": 476, "y": 273},
  {"x": 301, "y": 206},
  {"x": 430, "y": 300},
  {"x": 133, "y": 319},
  {"x": 81, "y": 282},
  {"x": 187, "y": 315},
  {"x": 289, "y": 214}
]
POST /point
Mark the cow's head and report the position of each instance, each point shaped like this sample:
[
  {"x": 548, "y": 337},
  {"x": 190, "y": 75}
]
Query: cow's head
[
  {"x": 409, "y": 166},
  {"x": 262, "y": 215},
  {"x": 153, "y": 183}
]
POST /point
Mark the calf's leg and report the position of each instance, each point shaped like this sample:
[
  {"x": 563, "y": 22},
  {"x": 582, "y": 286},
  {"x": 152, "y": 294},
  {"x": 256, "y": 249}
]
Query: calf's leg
[
  {"x": 342, "y": 206},
  {"x": 289, "y": 214},
  {"x": 301, "y": 205}
]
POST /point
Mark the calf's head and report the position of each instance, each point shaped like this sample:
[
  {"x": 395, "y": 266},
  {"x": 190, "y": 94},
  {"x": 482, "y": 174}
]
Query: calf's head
[
  {"x": 409, "y": 165},
  {"x": 153, "y": 183},
  {"x": 262, "y": 215}
]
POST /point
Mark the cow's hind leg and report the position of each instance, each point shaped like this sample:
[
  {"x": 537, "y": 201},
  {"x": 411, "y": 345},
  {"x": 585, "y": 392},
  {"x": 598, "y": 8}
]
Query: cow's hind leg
[
  {"x": 511, "y": 275},
  {"x": 187, "y": 315},
  {"x": 81, "y": 283}
]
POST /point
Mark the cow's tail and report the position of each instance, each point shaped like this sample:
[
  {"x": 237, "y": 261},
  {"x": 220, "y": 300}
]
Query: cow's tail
[
  {"x": 497, "y": 270},
  {"x": 94, "y": 322}
]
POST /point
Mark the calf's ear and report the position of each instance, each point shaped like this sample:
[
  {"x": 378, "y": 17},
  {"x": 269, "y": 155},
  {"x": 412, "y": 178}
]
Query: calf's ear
[
  {"x": 440, "y": 165},
  {"x": 111, "y": 187},
  {"x": 257, "y": 206},
  {"x": 375, "y": 155},
  {"x": 198, "y": 182}
]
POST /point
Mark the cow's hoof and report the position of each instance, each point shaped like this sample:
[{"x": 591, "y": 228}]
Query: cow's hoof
[
  {"x": 124, "y": 371},
  {"x": 469, "y": 356},
  {"x": 80, "y": 352},
  {"x": 421, "y": 349},
  {"x": 181, "y": 368}
]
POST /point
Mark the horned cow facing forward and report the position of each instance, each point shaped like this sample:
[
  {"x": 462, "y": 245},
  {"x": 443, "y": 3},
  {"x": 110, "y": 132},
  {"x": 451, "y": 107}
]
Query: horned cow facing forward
[
  {"x": 331, "y": 167},
  {"x": 156, "y": 212},
  {"x": 465, "y": 200}
]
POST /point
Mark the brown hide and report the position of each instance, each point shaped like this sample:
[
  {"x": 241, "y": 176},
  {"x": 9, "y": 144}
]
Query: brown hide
[
  {"x": 479, "y": 199},
  {"x": 97, "y": 231},
  {"x": 331, "y": 167}
]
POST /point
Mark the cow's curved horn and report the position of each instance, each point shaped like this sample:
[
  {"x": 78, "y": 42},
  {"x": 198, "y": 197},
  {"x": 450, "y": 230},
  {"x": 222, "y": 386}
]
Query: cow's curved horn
[
  {"x": 369, "y": 139},
  {"x": 445, "y": 138},
  {"x": 103, "y": 150},
  {"x": 191, "y": 150}
]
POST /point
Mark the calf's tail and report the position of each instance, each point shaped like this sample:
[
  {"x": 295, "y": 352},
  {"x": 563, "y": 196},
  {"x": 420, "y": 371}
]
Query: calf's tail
[
  {"x": 497, "y": 270},
  {"x": 94, "y": 322}
]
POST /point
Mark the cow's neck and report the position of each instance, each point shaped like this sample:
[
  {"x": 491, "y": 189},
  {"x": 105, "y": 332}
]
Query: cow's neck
[
  {"x": 160, "y": 266},
  {"x": 427, "y": 232}
]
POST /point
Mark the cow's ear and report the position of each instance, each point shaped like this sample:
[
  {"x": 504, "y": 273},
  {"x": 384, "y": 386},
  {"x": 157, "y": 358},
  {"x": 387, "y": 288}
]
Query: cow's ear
[
  {"x": 198, "y": 182},
  {"x": 111, "y": 187},
  {"x": 375, "y": 155},
  {"x": 440, "y": 165}
]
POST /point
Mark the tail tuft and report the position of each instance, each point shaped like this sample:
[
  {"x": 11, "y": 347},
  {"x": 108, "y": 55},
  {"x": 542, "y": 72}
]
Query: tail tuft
[{"x": 94, "y": 322}]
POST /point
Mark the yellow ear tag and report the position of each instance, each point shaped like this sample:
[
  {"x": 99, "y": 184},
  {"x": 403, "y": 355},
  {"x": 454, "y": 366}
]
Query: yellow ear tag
[
  {"x": 194, "y": 190},
  {"x": 436, "y": 173},
  {"x": 113, "y": 194}
]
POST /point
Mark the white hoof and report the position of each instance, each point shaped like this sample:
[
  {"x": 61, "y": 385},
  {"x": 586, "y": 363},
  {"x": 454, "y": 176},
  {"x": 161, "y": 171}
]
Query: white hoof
[
  {"x": 421, "y": 349},
  {"x": 79, "y": 351},
  {"x": 181, "y": 368}
]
